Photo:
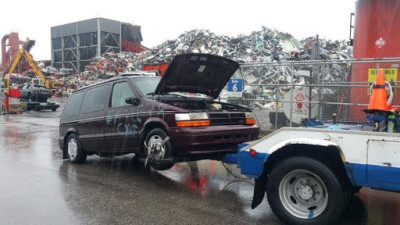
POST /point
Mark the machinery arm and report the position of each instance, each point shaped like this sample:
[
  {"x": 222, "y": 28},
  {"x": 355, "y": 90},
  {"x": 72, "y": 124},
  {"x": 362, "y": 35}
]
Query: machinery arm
[
  {"x": 32, "y": 64},
  {"x": 15, "y": 62}
]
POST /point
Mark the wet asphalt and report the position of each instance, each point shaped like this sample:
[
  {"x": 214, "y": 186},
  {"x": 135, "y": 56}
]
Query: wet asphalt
[{"x": 38, "y": 187}]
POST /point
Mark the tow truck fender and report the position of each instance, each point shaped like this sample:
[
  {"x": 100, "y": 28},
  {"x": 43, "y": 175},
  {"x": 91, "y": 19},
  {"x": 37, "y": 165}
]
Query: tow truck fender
[{"x": 253, "y": 166}]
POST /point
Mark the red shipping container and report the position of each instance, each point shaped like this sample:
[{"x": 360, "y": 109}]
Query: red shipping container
[
  {"x": 162, "y": 68},
  {"x": 376, "y": 35}
]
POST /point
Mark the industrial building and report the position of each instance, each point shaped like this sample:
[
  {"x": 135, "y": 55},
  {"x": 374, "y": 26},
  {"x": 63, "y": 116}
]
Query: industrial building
[{"x": 73, "y": 45}]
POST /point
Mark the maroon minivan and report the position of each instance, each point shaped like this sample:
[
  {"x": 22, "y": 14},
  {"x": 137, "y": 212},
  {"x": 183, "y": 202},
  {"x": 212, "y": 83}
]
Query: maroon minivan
[{"x": 163, "y": 120}]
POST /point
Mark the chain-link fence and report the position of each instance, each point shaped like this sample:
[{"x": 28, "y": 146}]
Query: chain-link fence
[{"x": 284, "y": 94}]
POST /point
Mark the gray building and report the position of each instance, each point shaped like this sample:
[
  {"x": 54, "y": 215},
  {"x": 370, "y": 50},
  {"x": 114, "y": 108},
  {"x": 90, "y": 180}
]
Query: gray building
[{"x": 73, "y": 45}]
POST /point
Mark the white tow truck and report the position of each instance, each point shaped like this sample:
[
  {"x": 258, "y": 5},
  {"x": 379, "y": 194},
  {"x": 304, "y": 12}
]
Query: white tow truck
[{"x": 309, "y": 174}]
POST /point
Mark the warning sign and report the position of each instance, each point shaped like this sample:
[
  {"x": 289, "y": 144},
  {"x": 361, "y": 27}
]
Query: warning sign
[
  {"x": 390, "y": 76},
  {"x": 297, "y": 105},
  {"x": 300, "y": 97}
]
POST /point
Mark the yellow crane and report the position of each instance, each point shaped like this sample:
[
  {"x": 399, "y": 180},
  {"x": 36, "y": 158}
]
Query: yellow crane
[{"x": 24, "y": 52}]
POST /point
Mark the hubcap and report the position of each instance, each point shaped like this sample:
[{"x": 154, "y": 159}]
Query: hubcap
[
  {"x": 303, "y": 194},
  {"x": 156, "y": 150},
  {"x": 72, "y": 148}
]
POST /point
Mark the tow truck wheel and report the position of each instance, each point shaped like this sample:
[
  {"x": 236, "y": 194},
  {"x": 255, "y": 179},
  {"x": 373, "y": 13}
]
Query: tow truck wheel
[
  {"x": 74, "y": 150},
  {"x": 302, "y": 190}
]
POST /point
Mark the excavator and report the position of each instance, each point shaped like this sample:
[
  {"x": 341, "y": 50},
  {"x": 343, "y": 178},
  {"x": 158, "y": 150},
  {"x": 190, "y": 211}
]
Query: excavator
[
  {"x": 41, "y": 80},
  {"x": 24, "y": 52}
]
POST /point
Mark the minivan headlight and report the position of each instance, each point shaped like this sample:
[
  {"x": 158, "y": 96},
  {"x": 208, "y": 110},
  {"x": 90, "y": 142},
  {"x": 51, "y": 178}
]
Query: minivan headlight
[
  {"x": 192, "y": 119},
  {"x": 250, "y": 118}
]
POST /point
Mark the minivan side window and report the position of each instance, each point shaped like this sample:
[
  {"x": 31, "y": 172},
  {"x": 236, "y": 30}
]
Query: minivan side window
[
  {"x": 73, "y": 105},
  {"x": 120, "y": 92},
  {"x": 95, "y": 99}
]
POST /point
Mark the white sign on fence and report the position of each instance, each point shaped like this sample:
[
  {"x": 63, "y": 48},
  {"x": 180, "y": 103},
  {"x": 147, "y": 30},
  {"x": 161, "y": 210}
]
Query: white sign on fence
[{"x": 301, "y": 108}]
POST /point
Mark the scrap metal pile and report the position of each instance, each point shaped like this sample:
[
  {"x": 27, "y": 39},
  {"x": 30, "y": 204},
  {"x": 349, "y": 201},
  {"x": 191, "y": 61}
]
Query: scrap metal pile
[
  {"x": 259, "y": 47},
  {"x": 112, "y": 64},
  {"x": 264, "y": 46}
]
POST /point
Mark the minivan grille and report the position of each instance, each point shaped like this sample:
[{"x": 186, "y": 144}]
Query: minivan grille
[{"x": 227, "y": 118}]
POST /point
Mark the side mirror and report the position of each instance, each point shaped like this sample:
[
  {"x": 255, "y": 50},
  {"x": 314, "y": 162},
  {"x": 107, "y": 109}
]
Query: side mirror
[{"x": 132, "y": 100}]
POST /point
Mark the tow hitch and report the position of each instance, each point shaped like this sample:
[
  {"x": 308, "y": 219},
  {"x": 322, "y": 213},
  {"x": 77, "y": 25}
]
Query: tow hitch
[{"x": 156, "y": 152}]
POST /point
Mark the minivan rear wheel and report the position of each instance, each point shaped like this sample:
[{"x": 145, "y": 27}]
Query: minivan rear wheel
[
  {"x": 74, "y": 150},
  {"x": 160, "y": 149}
]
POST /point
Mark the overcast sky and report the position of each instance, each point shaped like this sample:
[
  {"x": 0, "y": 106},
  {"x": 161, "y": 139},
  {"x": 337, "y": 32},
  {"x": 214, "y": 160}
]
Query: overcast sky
[{"x": 162, "y": 20}]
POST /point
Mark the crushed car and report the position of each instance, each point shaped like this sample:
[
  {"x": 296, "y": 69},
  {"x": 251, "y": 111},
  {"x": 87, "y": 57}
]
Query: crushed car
[{"x": 35, "y": 92}]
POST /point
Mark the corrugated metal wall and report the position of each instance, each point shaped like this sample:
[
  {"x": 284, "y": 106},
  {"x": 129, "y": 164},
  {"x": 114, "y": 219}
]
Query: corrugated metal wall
[{"x": 67, "y": 51}]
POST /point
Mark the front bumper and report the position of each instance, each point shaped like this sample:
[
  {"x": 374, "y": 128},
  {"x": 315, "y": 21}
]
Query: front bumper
[{"x": 211, "y": 139}]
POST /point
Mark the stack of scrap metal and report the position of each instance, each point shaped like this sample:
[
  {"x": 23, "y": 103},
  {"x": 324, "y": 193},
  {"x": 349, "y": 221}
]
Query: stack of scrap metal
[
  {"x": 112, "y": 64},
  {"x": 263, "y": 46},
  {"x": 260, "y": 46},
  {"x": 17, "y": 79}
]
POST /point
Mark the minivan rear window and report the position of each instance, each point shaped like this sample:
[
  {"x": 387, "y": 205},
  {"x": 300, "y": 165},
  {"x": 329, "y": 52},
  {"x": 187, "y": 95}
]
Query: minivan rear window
[
  {"x": 73, "y": 105},
  {"x": 95, "y": 99}
]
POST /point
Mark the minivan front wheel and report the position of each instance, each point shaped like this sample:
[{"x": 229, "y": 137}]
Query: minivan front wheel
[
  {"x": 74, "y": 150},
  {"x": 158, "y": 146}
]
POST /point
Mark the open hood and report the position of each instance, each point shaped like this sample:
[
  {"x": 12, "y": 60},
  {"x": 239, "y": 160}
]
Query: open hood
[{"x": 197, "y": 73}]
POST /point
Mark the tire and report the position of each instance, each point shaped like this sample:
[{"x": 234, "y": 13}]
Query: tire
[
  {"x": 153, "y": 138},
  {"x": 74, "y": 150},
  {"x": 302, "y": 190}
]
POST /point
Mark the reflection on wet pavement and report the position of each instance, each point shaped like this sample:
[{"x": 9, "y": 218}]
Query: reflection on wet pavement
[{"x": 38, "y": 187}]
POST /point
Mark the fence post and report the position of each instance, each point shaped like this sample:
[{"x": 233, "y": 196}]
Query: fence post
[{"x": 291, "y": 97}]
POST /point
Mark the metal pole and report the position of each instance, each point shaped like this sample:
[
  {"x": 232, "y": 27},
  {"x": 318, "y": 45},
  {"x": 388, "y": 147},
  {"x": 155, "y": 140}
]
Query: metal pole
[
  {"x": 120, "y": 37},
  {"x": 291, "y": 99},
  {"x": 319, "y": 80},
  {"x": 62, "y": 48},
  {"x": 78, "y": 53},
  {"x": 276, "y": 108},
  {"x": 324, "y": 62},
  {"x": 98, "y": 37},
  {"x": 310, "y": 95}
]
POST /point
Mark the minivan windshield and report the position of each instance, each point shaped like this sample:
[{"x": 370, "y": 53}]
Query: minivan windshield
[{"x": 147, "y": 85}]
